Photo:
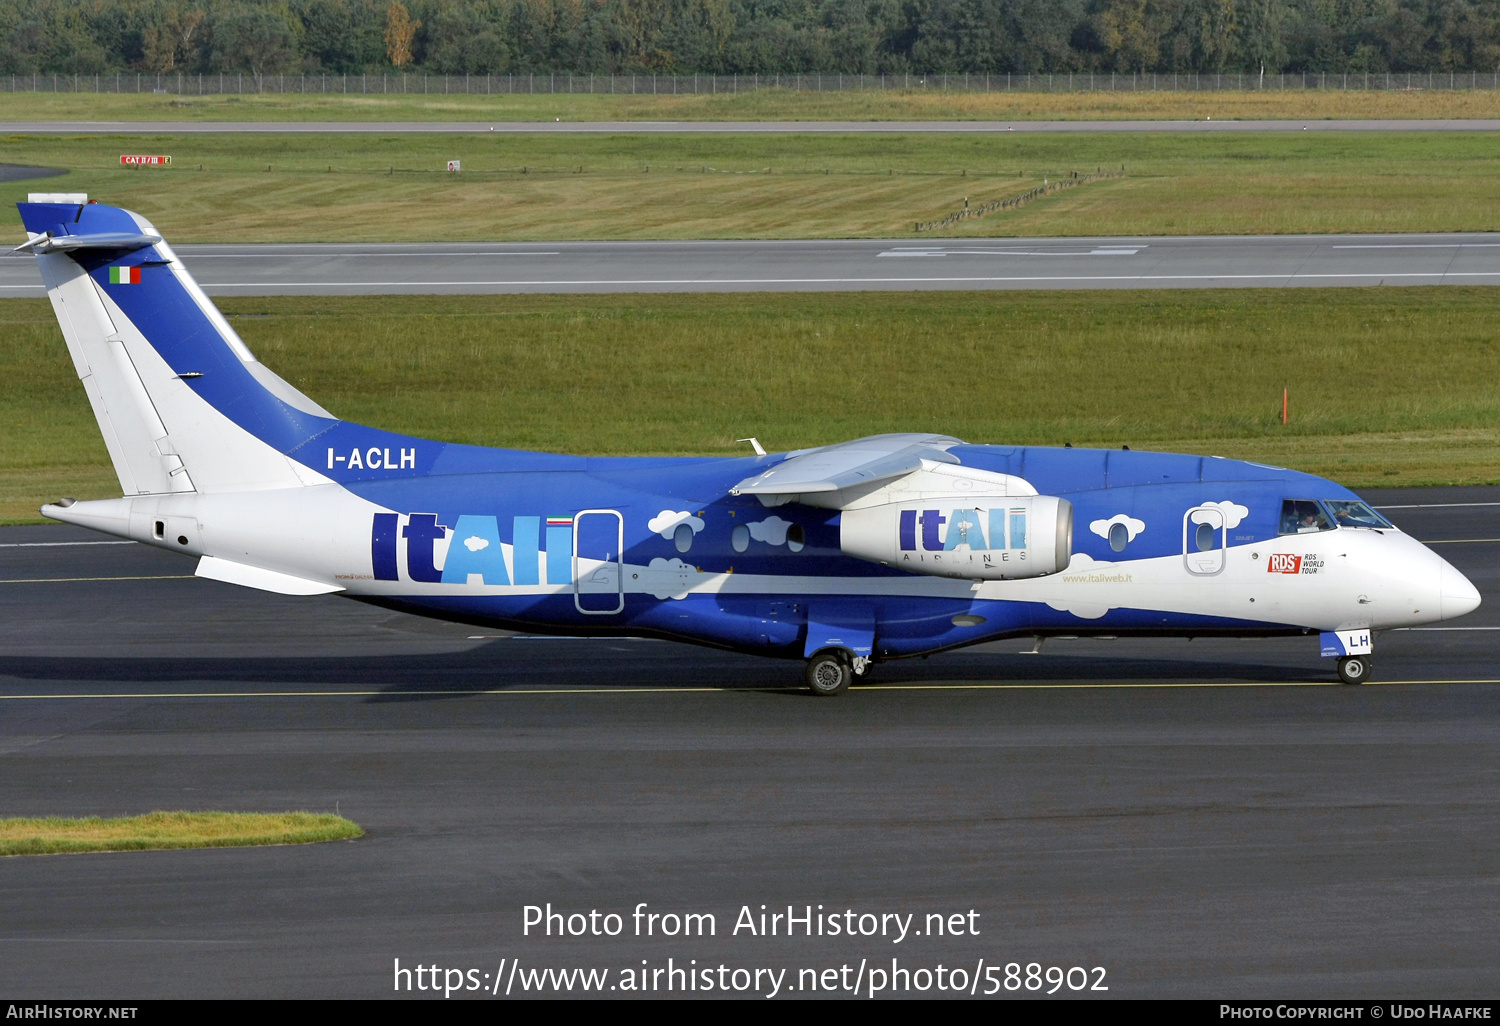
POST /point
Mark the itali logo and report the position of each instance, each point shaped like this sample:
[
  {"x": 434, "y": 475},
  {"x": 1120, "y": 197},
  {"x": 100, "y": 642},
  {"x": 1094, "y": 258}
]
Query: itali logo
[
  {"x": 1284, "y": 563},
  {"x": 124, "y": 275},
  {"x": 923, "y": 530},
  {"x": 472, "y": 551}
]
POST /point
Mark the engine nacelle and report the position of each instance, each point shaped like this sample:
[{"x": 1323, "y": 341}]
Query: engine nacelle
[{"x": 986, "y": 538}]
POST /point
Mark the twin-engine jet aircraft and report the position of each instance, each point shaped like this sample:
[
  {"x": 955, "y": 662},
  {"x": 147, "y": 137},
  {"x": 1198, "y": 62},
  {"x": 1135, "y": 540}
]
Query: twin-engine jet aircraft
[{"x": 875, "y": 549}]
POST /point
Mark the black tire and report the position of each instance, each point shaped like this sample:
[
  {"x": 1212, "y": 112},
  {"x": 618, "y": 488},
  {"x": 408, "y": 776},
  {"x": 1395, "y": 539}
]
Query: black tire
[
  {"x": 828, "y": 673},
  {"x": 1354, "y": 669}
]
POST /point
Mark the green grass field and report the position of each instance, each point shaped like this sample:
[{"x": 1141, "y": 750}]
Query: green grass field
[
  {"x": 758, "y": 105},
  {"x": 157, "y": 830},
  {"x": 276, "y": 188},
  {"x": 1388, "y": 386}
]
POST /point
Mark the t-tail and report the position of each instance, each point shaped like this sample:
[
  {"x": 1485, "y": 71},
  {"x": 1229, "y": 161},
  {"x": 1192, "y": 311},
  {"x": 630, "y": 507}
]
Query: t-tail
[{"x": 201, "y": 434}]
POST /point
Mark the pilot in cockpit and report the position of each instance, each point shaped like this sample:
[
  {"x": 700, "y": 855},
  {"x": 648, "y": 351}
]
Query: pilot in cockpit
[{"x": 1303, "y": 516}]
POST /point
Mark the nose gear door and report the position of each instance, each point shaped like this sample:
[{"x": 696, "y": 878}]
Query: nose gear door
[
  {"x": 598, "y": 537},
  {"x": 1204, "y": 538}
]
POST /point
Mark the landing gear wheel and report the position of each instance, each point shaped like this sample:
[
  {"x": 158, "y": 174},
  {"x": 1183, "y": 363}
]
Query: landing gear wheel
[
  {"x": 1354, "y": 669},
  {"x": 829, "y": 673}
]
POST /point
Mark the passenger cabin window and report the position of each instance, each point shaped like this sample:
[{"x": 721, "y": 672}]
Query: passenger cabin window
[
  {"x": 1303, "y": 516},
  {"x": 1355, "y": 514}
]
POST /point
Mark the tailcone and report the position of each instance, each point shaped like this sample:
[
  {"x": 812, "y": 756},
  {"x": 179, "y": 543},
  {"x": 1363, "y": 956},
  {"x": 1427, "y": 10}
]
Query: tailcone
[{"x": 112, "y": 516}]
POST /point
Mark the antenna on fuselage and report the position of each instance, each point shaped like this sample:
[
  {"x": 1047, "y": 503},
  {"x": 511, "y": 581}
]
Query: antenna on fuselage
[{"x": 760, "y": 450}]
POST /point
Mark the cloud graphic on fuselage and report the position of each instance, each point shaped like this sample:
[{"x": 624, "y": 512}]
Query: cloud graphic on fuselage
[
  {"x": 475, "y": 543},
  {"x": 1232, "y": 513},
  {"x": 771, "y": 530},
  {"x": 670, "y": 578},
  {"x": 667, "y": 521},
  {"x": 1133, "y": 526}
]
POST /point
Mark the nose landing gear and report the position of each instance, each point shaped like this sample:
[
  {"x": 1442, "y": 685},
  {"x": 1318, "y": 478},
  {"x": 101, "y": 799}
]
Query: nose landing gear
[
  {"x": 1354, "y": 669},
  {"x": 1352, "y": 648},
  {"x": 831, "y": 671}
]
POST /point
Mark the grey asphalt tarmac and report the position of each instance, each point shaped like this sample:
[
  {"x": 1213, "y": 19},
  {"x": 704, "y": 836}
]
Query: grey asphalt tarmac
[
  {"x": 802, "y": 127},
  {"x": 22, "y": 172},
  {"x": 1213, "y": 819},
  {"x": 825, "y": 265}
]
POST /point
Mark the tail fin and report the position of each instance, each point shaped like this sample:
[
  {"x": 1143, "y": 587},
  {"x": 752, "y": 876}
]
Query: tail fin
[{"x": 182, "y": 403}]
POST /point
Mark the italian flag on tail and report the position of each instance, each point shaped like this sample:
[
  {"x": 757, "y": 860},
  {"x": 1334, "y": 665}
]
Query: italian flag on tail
[{"x": 124, "y": 275}]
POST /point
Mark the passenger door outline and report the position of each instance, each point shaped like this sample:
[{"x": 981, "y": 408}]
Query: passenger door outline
[
  {"x": 597, "y": 572},
  {"x": 1204, "y": 562}
]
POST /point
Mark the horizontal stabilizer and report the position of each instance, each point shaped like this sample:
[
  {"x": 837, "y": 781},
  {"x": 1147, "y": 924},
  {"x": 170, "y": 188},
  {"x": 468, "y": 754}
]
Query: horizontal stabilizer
[
  {"x": 230, "y": 572},
  {"x": 860, "y": 462},
  {"x": 124, "y": 242}
]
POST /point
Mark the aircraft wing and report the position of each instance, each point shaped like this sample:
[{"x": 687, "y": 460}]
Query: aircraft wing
[{"x": 860, "y": 462}]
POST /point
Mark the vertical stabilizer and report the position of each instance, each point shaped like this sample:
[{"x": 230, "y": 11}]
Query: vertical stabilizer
[
  {"x": 182, "y": 403},
  {"x": 133, "y": 432}
]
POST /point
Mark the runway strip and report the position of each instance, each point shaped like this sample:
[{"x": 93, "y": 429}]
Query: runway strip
[
  {"x": 826, "y": 265},
  {"x": 719, "y": 127}
]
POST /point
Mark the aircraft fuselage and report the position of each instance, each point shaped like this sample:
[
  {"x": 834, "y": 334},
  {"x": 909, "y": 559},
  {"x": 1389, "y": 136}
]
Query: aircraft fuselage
[{"x": 659, "y": 547}]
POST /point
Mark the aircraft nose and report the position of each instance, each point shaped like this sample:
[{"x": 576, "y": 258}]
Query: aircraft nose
[{"x": 1459, "y": 596}]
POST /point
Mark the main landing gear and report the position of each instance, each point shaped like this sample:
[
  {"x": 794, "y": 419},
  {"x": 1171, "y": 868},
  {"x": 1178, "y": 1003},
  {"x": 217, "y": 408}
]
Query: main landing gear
[
  {"x": 831, "y": 671},
  {"x": 1354, "y": 669}
]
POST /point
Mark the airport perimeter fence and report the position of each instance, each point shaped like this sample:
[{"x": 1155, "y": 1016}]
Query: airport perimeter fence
[{"x": 566, "y": 83}]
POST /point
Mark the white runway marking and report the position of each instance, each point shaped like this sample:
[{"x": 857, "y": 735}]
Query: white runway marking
[
  {"x": 941, "y": 251},
  {"x": 58, "y": 545},
  {"x": 70, "y": 580},
  {"x": 394, "y": 255},
  {"x": 1420, "y": 245},
  {"x": 550, "y": 637},
  {"x": 837, "y": 281},
  {"x": 1441, "y": 505}
]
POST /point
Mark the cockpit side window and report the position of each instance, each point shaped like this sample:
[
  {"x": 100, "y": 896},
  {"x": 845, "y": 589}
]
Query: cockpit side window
[
  {"x": 1355, "y": 514},
  {"x": 1303, "y": 516}
]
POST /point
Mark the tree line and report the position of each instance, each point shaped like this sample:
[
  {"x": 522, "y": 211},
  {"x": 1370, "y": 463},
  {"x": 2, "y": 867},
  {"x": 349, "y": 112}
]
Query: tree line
[{"x": 747, "y": 36}]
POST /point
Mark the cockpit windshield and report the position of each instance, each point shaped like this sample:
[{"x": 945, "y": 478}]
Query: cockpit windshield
[
  {"x": 1354, "y": 514},
  {"x": 1303, "y": 516}
]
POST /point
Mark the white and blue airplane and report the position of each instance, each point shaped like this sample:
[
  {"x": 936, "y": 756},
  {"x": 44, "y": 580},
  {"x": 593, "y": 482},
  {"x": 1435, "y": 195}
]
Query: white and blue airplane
[{"x": 875, "y": 549}]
